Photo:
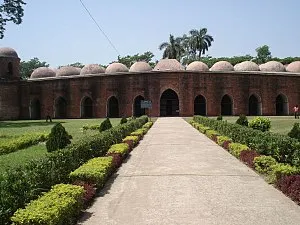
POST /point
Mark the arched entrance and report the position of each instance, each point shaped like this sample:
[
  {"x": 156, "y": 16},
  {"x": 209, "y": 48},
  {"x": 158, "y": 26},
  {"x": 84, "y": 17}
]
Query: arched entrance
[
  {"x": 169, "y": 103},
  {"x": 137, "y": 110},
  {"x": 200, "y": 105},
  {"x": 226, "y": 106},
  {"x": 281, "y": 105},
  {"x": 113, "y": 107},
  {"x": 254, "y": 107},
  {"x": 87, "y": 108},
  {"x": 35, "y": 110},
  {"x": 61, "y": 108}
]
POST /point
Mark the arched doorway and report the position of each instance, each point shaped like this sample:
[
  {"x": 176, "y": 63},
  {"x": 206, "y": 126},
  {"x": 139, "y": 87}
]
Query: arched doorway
[
  {"x": 113, "y": 107},
  {"x": 226, "y": 106},
  {"x": 87, "y": 108},
  {"x": 281, "y": 105},
  {"x": 200, "y": 105},
  {"x": 254, "y": 107},
  {"x": 61, "y": 108},
  {"x": 137, "y": 110},
  {"x": 169, "y": 103},
  {"x": 35, "y": 110}
]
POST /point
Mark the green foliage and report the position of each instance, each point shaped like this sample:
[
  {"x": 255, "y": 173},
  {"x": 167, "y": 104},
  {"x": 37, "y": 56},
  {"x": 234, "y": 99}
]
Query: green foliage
[
  {"x": 10, "y": 11},
  {"x": 242, "y": 120},
  {"x": 58, "y": 138},
  {"x": 105, "y": 125},
  {"x": 211, "y": 133},
  {"x": 222, "y": 139},
  {"x": 135, "y": 139},
  {"x": 148, "y": 125},
  {"x": 27, "y": 67},
  {"x": 295, "y": 132},
  {"x": 121, "y": 149},
  {"x": 279, "y": 170},
  {"x": 263, "y": 54},
  {"x": 139, "y": 132},
  {"x": 95, "y": 171},
  {"x": 263, "y": 164},
  {"x": 91, "y": 127},
  {"x": 236, "y": 149},
  {"x": 123, "y": 120},
  {"x": 60, "y": 206},
  {"x": 129, "y": 60},
  {"x": 220, "y": 117},
  {"x": 172, "y": 49},
  {"x": 201, "y": 128},
  {"x": 21, "y": 142},
  {"x": 260, "y": 123}
]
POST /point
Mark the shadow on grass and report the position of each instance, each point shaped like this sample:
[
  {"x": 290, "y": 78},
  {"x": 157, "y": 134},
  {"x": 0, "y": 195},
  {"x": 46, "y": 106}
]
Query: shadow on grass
[{"x": 19, "y": 124}]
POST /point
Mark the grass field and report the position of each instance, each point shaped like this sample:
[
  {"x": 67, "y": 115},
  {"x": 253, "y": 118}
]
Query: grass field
[{"x": 11, "y": 129}]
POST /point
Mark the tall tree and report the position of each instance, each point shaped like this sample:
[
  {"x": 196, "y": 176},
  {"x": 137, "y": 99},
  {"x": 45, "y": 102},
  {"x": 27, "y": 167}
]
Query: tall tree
[
  {"x": 172, "y": 49},
  {"x": 263, "y": 54},
  {"x": 130, "y": 59},
  {"x": 10, "y": 11},
  {"x": 200, "y": 41},
  {"x": 26, "y": 68}
]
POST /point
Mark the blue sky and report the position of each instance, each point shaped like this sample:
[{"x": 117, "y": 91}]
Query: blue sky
[{"x": 60, "y": 32}]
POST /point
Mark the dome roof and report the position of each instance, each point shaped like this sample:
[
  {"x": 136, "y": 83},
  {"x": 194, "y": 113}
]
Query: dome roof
[
  {"x": 293, "y": 67},
  {"x": 272, "y": 66},
  {"x": 246, "y": 66},
  {"x": 67, "y": 71},
  {"x": 92, "y": 69},
  {"x": 42, "y": 72},
  {"x": 222, "y": 66},
  {"x": 168, "y": 64},
  {"x": 8, "y": 52},
  {"x": 116, "y": 68},
  {"x": 197, "y": 66},
  {"x": 140, "y": 67}
]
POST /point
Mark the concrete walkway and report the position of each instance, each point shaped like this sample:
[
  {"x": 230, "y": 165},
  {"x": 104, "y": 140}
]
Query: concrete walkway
[{"x": 179, "y": 176}]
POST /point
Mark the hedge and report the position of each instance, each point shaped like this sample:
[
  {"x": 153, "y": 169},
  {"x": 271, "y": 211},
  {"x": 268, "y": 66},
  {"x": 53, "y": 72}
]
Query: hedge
[
  {"x": 148, "y": 125},
  {"x": 95, "y": 171},
  {"x": 134, "y": 139},
  {"x": 283, "y": 148},
  {"x": 222, "y": 139},
  {"x": 20, "y": 186},
  {"x": 22, "y": 142},
  {"x": 236, "y": 149},
  {"x": 121, "y": 149},
  {"x": 59, "y": 206}
]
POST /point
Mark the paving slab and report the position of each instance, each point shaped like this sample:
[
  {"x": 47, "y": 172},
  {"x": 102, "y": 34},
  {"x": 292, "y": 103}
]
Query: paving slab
[{"x": 177, "y": 175}]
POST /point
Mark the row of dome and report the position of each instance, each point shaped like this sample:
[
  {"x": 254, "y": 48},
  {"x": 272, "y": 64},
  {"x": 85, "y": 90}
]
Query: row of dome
[{"x": 165, "y": 65}]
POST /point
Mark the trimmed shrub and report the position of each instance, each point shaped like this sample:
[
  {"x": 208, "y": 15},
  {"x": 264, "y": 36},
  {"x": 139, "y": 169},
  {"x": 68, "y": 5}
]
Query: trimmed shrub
[
  {"x": 242, "y": 120},
  {"x": 122, "y": 149},
  {"x": 290, "y": 186},
  {"x": 202, "y": 128},
  {"x": 95, "y": 171},
  {"x": 89, "y": 191},
  {"x": 148, "y": 125},
  {"x": 220, "y": 117},
  {"x": 58, "y": 138},
  {"x": 123, "y": 120},
  {"x": 211, "y": 133},
  {"x": 248, "y": 157},
  {"x": 260, "y": 123},
  {"x": 105, "y": 125},
  {"x": 236, "y": 149},
  {"x": 222, "y": 139},
  {"x": 263, "y": 164},
  {"x": 22, "y": 142},
  {"x": 280, "y": 169},
  {"x": 295, "y": 132},
  {"x": 60, "y": 205},
  {"x": 131, "y": 140}
]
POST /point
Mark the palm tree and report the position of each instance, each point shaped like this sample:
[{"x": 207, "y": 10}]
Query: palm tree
[
  {"x": 200, "y": 41},
  {"x": 172, "y": 49}
]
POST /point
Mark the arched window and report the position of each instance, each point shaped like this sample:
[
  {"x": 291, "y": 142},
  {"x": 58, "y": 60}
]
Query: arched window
[
  {"x": 226, "y": 106},
  {"x": 35, "y": 109},
  {"x": 169, "y": 103},
  {"x": 137, "y": 110},
  {"x": 113, "y": 107},
  {"x": 87, "y": 108},
  {"x": 254, "y": 106},
  {"x": 282, "y": 105},
  {"x": 200, "y": 105},
  {"x": 60, "y": 108}
]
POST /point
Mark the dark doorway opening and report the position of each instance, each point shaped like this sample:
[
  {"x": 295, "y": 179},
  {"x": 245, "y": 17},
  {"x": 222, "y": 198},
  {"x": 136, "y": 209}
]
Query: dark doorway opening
[
  {"x": 87, "y": 108},
  {"x": 200, "y": 105},
  {"x": 35, "y": 110},
  {"x": 113, "y": 107},
  {"x": 226, "y": 106},
  {"x": 137, "y": 110},
  {"x": 61, "y": 108},
  {"x": 254, "y": 108},
  {"x": 281, "y": 105},
  {"x": 169, "y": 103}
]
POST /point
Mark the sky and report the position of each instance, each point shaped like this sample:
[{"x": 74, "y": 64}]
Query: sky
[{"x": 61, "y": 32}]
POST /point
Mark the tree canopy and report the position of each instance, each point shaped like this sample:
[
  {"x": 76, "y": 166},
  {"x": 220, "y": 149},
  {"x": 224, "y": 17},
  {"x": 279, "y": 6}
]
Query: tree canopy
[
  {"x": 27, "y": 67},
  {"x": 131, "y": 59},
  {"x": 10, "y": 11}
]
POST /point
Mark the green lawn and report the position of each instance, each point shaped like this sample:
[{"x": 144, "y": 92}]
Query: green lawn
[{"x": 11, "y": 129}]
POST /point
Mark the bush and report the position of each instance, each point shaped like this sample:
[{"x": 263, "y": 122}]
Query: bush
[
  {"x": 242, "y": 120},
  {"x": 220, "y": 117},
  {"x": 123, "y": 120},
  {"x": 22, "y": 142},
  {"x": 133, "y": 139},
  {"x": 260, "y": 123},
  {"x": 279, "y": 170},
  {"x": 201, "y": 128},
  {"x": 236, "y": 149},
  {"x": 295, "y": 132},
  {"x": 105, "y": 125},
  {"x": 263, "y": 164},
  {"x": 91, "y": 127},
  {"x": 211, "y": 133},
  {"x": 89, "y": 191},
  {"x": 95, "y": 171},
  {"x": 60, "y": 205},
  {"x": 248, "y": 157},
  {"x": 148, "y": 125},
  {"x": 58, "y": 138},
  {"x": 221, "y": 140},
  {"x": 121, "y": 149},
  {"x": 290, "y": 186}
]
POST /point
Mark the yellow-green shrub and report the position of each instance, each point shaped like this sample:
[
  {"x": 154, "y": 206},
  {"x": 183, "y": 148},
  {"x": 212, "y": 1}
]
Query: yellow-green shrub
[
  {"x": 210, "y": 133},
  {"x": 263, "y": 164},
  {"x": 58, "y": 206},
  {"x": 236, "y": 149},
  {"x": 222, "y": 139},
  {"x": 135, "y": 139},
  {"x": 121, "y": 149},
  {"x": 148, "y": 125}
]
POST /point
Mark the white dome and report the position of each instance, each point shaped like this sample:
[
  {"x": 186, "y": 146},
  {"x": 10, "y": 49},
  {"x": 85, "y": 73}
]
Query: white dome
[
  {"x": 92, "y": 69},
  {"x": 68, "y": 71},
  {"x": 140, "y": 67},
  {"x": 246, "y": 66},
  {"x": 116, "y": 68},
  {"x": 42, "y": 72},
  {"x": 293, "y": 67},
  {"x": 222, "y": 66},
  {"x": 272, "y": 66},
  {"x": 168, "y": 65},
  {"x": 197, "y": 66}
]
